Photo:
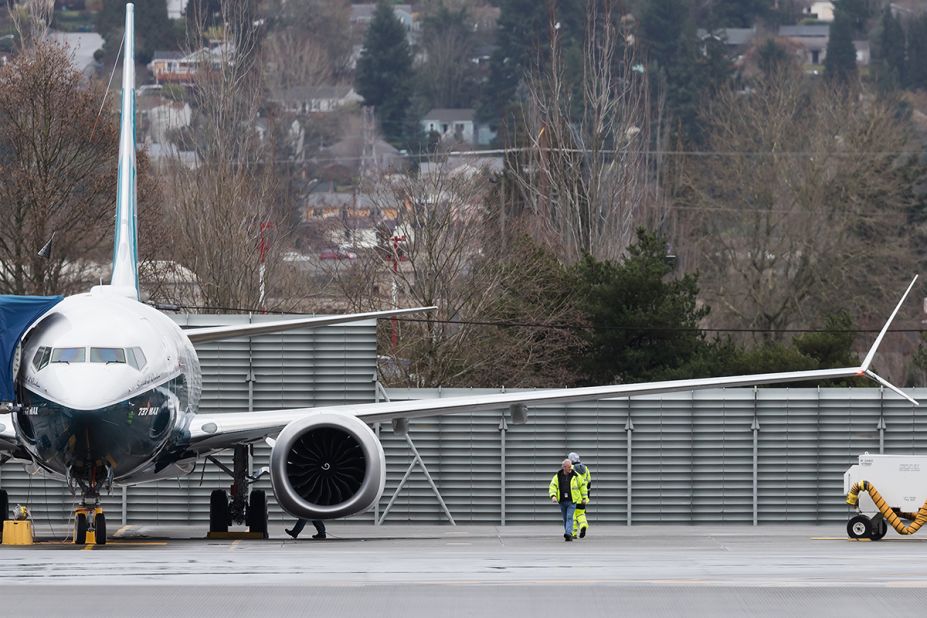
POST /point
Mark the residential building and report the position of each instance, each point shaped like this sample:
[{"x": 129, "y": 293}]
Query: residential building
[
  {"x": 362, "y": 15},
  {"x": 180, "y": 68},
  {"x": 317, "y": 99},
  {"x": 812, "y": 39},
  {"x": 457, "y": 125},
  {"x": 820, "y": 11},
  {"x": 176, "y": 8}
]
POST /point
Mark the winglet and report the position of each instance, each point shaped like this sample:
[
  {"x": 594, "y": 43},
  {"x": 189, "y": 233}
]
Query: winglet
[
  {"x": 891, "y": 386},
  {"x": 864, "y": 368}
]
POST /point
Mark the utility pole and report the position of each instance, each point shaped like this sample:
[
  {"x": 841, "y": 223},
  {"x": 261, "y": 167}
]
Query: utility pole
[
  {"x": 262, "y": 256},
  {"x": 394, "y": 323}
]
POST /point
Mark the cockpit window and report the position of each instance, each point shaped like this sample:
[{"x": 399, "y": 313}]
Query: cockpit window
[
  {"x": 69, "y": 355},
  {"x": 136, "y": 358},
  {"x": 107, "y": 355},
  {"x": 41, "y": 357}
]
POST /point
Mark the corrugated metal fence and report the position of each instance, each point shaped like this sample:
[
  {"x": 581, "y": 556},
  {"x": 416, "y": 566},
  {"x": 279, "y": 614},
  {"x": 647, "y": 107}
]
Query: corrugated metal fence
[{"x": 740, "y": 456}]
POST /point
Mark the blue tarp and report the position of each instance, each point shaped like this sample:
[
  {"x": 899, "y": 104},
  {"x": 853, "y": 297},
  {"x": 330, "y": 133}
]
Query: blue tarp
[{"x": 17, "y": 313}]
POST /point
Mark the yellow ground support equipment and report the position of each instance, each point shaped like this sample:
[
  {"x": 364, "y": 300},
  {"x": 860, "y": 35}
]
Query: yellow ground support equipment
[
  {"x": 17, "y": 532},
  {"x": 892, "y": 516}
]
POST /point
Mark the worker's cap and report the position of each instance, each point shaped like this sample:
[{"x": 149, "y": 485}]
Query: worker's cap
[{"x": 574, "y": 457}]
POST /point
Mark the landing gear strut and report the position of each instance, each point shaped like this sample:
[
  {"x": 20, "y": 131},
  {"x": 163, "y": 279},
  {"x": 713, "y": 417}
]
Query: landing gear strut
[
  {"x": 4, "y": 510},
  {"x": 238, "y": 505},
  {"x": 89, "y": 525}
]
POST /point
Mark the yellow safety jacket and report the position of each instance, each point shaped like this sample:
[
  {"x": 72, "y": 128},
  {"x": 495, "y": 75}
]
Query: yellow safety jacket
[
  {"x": 578, "y": 491},
  {"x": 584, "y": 472}
]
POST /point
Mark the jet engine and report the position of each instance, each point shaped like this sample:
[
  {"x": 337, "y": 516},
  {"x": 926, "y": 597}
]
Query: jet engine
[{"x": 326, "y": 466}]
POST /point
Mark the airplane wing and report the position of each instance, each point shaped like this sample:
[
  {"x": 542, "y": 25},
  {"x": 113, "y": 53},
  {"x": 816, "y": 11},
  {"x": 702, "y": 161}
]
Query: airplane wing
[
  {"x": 216, "y": 333},
  {"x": 216, "y": 431}
]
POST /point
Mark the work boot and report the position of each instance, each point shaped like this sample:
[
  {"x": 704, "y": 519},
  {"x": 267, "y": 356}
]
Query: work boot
[
  {"x": 567, "y": 537},
  {"x": 319, "y": 536},
  {"x": 582, "y": 532},
  {"x": 291, "y": 533}
]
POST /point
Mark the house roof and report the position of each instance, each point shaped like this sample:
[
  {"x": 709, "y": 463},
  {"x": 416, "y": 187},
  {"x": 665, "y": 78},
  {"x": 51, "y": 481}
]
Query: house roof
[
  {"x": 364, "y": 12},
  {"x": 465, "y": 114},
  {"x": 308, "y": 93},
  {"x": 811, "y": 31},
  {"x": 339, "y": 199},
  {"x": 167, "y": 55},
  {"x": 731, "y": 36}
]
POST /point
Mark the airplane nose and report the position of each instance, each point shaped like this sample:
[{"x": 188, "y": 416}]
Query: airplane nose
[{"x": 87, "y": 386}]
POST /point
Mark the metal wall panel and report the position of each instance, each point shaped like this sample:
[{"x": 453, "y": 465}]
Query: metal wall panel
[{"x": 677, "y": 458}]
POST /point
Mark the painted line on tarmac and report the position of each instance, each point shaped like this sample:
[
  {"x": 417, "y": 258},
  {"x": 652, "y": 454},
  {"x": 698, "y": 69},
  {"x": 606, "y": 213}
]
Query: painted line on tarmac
[{"x": 843, "y": 538}]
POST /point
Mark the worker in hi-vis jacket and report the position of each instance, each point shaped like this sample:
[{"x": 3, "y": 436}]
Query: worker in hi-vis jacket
[
  {"x": 580, "y": 523},
  {"x": 569, "y": 490}
]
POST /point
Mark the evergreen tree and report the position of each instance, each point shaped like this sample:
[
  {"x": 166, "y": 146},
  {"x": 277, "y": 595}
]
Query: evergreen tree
[
  {"x": 384, "y": 74},
  {"x": 840, "y": 64},
  {"x": 447, "y": 78},
  {"x": 738, "y": 13},
  {"x": 917, "y": 53},
  {"x": 890, "y": 66},
  {"x": 687, "y": 70},
  {"x": 858, "y": 12},
  {"x": 648, "y": 322},
  {"x": 772, "y": 58},
  {"x": 523, "y": 38},
  {"x": 153, "y": 29}
]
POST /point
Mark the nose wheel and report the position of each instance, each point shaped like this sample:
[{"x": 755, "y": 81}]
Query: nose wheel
[{"x": 89, "y": 525}]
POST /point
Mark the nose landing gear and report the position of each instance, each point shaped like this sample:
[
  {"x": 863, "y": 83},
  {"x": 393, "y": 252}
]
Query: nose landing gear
[{"x": 89, "y": 525}]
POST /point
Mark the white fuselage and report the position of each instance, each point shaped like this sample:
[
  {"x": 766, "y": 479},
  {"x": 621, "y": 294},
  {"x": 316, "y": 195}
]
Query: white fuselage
[{"x": 108, "y": 386}]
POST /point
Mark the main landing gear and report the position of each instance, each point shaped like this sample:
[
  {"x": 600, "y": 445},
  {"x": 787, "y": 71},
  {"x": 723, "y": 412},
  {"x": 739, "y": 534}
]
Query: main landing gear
[{"x": 238, "y": 505}]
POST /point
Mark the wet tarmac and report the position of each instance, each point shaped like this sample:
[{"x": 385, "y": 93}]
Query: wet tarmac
[{"x": 513, "y": 571}]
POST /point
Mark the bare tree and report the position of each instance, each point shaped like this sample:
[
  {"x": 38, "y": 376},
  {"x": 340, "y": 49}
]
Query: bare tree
[
  {"x": 31, "y": 20},
  {"x": 587, "y": 173},
  {"x": 798, "y": 207},
  {"x": 445, "y": 251},
  {"x": 57, "y": 173},
  {"x": 222, "y": 211},
  {"x": 294, "y": 59}
]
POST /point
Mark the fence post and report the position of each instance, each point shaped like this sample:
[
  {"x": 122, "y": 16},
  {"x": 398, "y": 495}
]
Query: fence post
[
  {"x": 502, "y": 428},
  {"x": 755, "y": 428},
  {"x": 629, "y": 428}
]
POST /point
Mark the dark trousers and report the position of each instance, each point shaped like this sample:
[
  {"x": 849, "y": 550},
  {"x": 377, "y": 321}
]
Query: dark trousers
[{"x": 300, "y": 524}]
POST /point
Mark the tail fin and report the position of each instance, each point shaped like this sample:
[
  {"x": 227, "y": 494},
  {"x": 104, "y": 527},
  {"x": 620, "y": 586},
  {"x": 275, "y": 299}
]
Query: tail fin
[{"x": 125, "y": 250}]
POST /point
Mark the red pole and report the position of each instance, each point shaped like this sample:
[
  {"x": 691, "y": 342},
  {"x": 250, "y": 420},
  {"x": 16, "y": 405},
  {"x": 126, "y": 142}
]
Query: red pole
[{"x": 394, "y": 324}]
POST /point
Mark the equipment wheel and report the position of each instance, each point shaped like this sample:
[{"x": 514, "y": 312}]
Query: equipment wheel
[
  {"x": 257, "y": 512},
  {"x": 80, "y": 529},
  {"x": 859, "y": 527},
  {"x": 99, "y": 528},
  {"x": 218, "y": 511},
  {"x": 879, "y": 528}
]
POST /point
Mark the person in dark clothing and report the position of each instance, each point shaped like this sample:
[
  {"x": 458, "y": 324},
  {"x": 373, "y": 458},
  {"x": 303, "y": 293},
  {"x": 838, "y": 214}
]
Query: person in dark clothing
[{"x": 300, "y": 524}]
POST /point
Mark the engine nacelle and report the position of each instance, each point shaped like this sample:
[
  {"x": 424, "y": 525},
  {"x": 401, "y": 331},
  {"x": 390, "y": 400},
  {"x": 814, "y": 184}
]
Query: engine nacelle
[{"x": 326, "y": 466}]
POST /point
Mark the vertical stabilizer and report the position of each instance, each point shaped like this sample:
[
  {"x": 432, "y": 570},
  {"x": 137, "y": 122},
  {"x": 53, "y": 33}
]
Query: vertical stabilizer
[{"x": 125, "y": 251}]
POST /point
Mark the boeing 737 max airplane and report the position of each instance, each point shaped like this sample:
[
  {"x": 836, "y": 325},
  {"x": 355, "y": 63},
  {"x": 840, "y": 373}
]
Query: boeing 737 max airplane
[{"x": 108, "y": 389}]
